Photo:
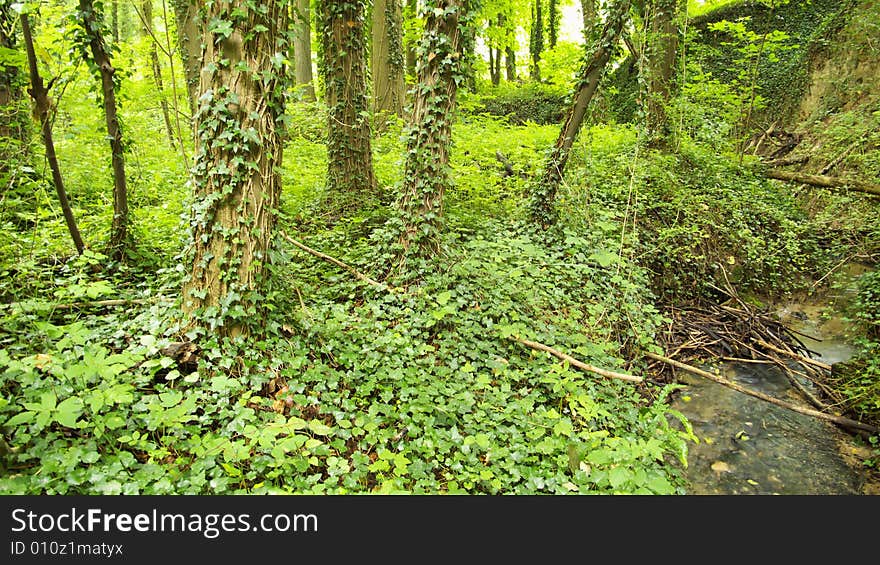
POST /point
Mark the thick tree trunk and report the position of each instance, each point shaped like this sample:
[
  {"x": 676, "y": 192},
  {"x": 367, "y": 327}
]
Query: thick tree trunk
[
  {"x": 119, "y": 234},
  {"x": 389, "y": 73},
  {"x": 426, "y": 174},
  {"x": 662, "y": 50},
  {"x": 236, "y": 181},
  {"x": 147, "y": 14},
  {"x": 824, "y": 181},
  {"x": 41, "y": 99},
  {"x": 189, "y": 38},
  {"x": 302, "y": 49},
  {"x": 544, "y": 193},
  {"x": 350, "y": 163}
]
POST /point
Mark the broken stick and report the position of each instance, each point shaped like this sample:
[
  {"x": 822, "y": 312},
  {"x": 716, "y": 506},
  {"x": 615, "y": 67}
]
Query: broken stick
[
  {"x": 575, "y": 363},
  {"x": 336, "y": 262},
  {"x": 840, "y": 420}
]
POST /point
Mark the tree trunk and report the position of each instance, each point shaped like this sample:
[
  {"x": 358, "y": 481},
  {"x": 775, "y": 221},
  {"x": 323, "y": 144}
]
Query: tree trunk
[
  {"x": 147, "y": 9},
  {"x": 510, "y": 63},
  {"x": 119, "y": 234},
  {"x": 553, "y": 22},
  {"x": 14, "y": 117},
  {"x": 426, "y": 174},
  {"x": 189, "y": 38},
  {"x": 662, "y": 49},
  {"x": 410, "y": 13},
  {"x": 41, "y": 99},
  {"x": 544, "y": 193},
  {"x": 302, "y": 49},
  {"x": 389, "y": 88},
  {"x": 588, "y": 12},
  {"x": 236, "y": 181},
  {"x": 114, "y": 29},
  {"x": 350, "y": 163},
  {"x": 536, "y": 41}
]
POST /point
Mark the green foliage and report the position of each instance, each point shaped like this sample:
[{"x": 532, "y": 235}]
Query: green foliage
[{"x": 532, "y": 102}]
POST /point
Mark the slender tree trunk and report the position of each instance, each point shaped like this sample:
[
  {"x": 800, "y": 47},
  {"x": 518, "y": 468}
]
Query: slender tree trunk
[
  {"x": 147, "y": 9},
  {"x": 41, "y": 99},
  {"x": 119, "y": 234},
  {"x": 536, "y": 40},
  {"x": 350, "y": 163},
  {"x": 553, "y": 22},
  {"x": 302, "y": 49},
  {"x": 510, "y": 63},
  {"x": 189, "y": 37},
  {"x": 114, "y": 29},
  {"x": 388, "y": 66},
  {"x": 236, "y": 181},
  {"x": 544, "y": 192},
  {"x": 662, "y": 49},
  {"x": 14, "y": 117},
  {"x": 426, "y": 171}
]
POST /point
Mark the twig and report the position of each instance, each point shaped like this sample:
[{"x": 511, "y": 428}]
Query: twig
[
  {"x": 793, "y": 355},
  {"x": 336, "y": 262},
  {"x": 575, "y": 363},
  {"x": 840, "y": 420}
]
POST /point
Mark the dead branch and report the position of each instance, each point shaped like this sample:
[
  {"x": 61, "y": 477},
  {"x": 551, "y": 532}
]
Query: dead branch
[
  {"x": 575, "y": 363},
  {"x": 788, "y": 161},
  {"x": 824, "y": 181},
  {"x": 840, "y": 420},
  {"x": 793, "y": 355},
  {"x": 336, "y": 262}
]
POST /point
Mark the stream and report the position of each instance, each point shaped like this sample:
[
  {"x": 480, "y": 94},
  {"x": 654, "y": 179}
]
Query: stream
[{"x": 750, "y": 446}]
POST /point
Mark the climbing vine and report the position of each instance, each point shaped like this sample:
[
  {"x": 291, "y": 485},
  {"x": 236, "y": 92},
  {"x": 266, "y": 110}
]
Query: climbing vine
[{"x": 236, "y": 186}]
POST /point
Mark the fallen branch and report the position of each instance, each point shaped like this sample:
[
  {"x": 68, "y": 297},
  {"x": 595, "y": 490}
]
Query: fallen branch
[
  {"x": 840, "y": 420},
  {"x": 793, "y": 355},
  {"x": 336, "y": 262},
  {"x": 575, "y": 363},
  {"x": 824, "y": 181},
  {"x": 788, "y": 161},
  {"x": 74, "y": 305}
]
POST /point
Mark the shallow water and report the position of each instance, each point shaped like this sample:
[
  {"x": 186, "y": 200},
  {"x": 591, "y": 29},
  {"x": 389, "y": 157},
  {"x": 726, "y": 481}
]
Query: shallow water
[{"x": 749, "y": 446}]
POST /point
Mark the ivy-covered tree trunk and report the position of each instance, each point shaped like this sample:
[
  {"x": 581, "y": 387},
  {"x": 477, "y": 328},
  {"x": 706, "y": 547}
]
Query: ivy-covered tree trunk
[
  {"x": 388, "y": 65},
  {"x": 536, "y": 41},
  {"x": 589, "y": 15},
  {"x": 349, "y": 155},
  {"x": 14, "y": 117},
  {"x": 120, "y": 238},
  {"x": 510, "y": 63},
  {"x": 236, "y": 183},
  {"x": 40, "y": 94},
  {"x": 553, "y": 17},
  {"x": 302, "y": 48},
  {"x": 662, "y": 50},
  {"x": 189, "y": 42},
  {"x": 428, "y": 137},
  {"x": 544, "y": 191}
]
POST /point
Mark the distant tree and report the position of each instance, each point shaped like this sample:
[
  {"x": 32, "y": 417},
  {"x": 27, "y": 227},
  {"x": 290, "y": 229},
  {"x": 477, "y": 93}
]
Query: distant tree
[
  {"x": 189, "y": 41},
  {"x": 387, "y": 57},
  {"x": 146, "y": 14},
  {"x": 536, "y": 40},
  {"x": 349, "y": 154},
  {"x": 302, "y": 48},
  {"x": 96, "y": 54},
  {"x": 553, "y": 17},
  {"x": 14, "y": 126},
  {"x": 236, "y": 180},
  {"x": 595, "y": 63},
  {"x": 660, "y": 68}
]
